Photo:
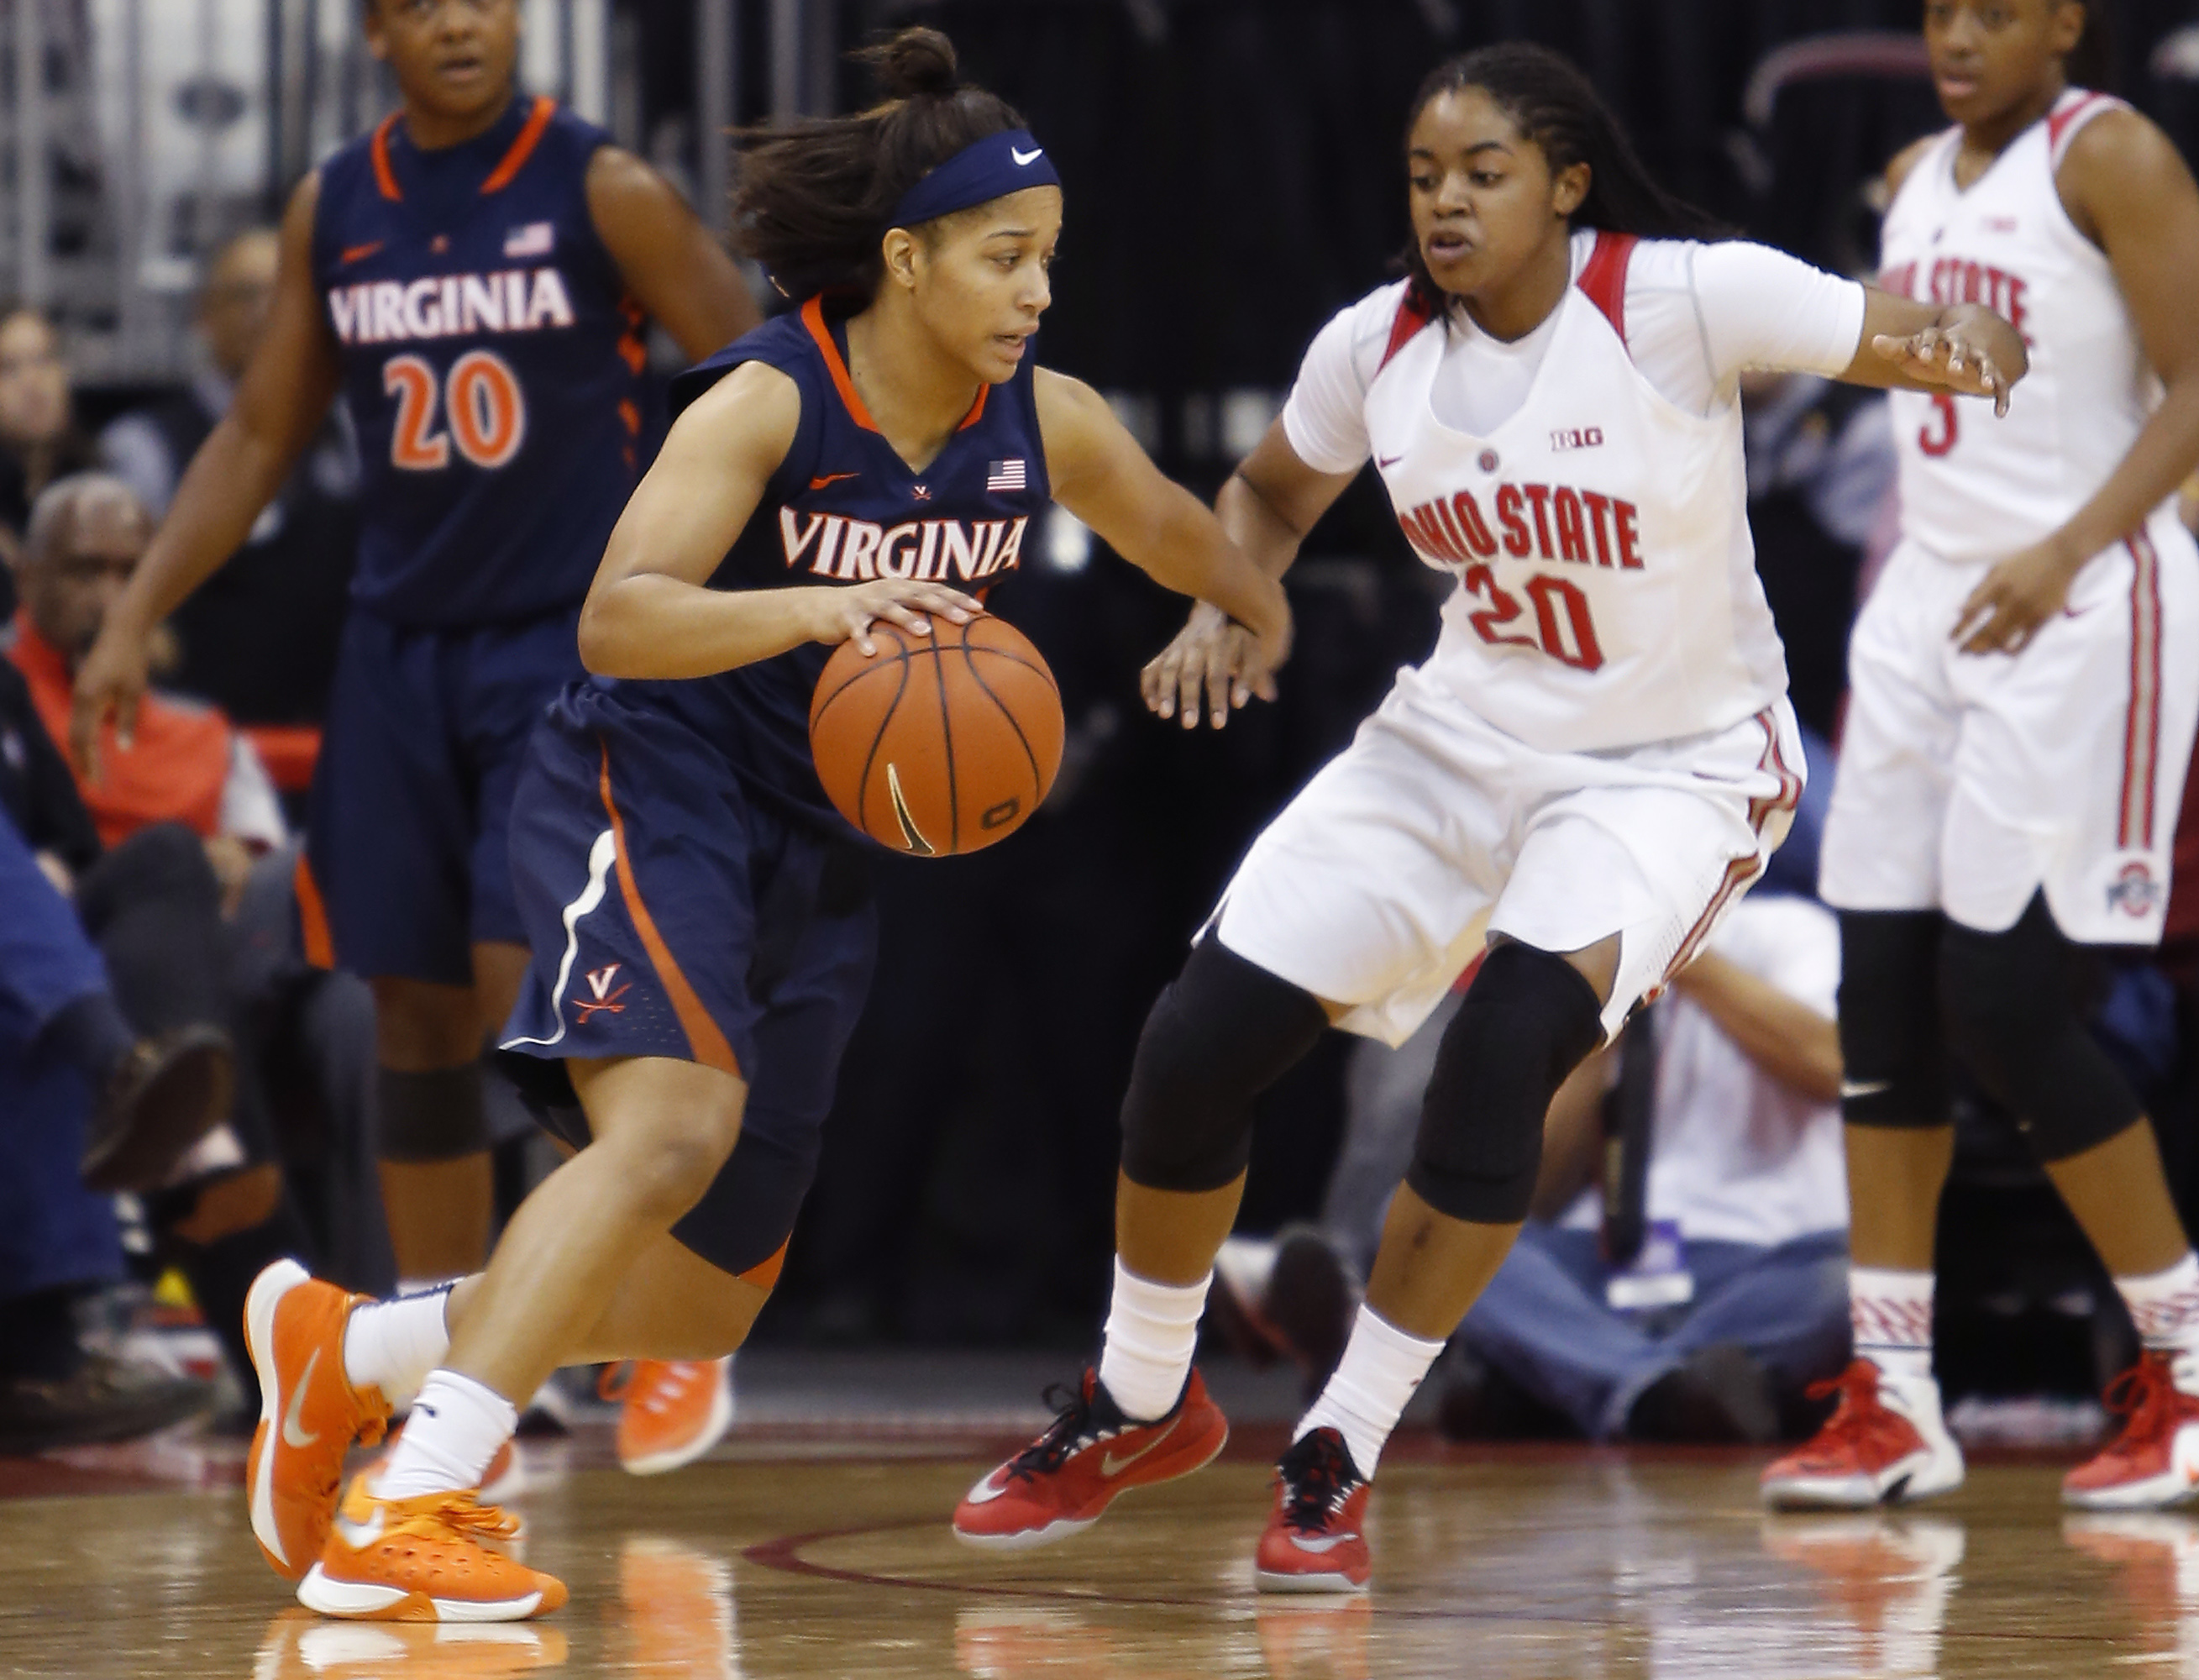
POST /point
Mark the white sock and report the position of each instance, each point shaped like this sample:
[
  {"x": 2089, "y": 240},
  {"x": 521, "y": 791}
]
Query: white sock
[
  {"x": 455, "y": 1430},
  {"x": 1382, "y": 1365},
  {"x": 1891, "y": 1314},
  {"x": 393, "y": 1344},
  {"x": 1152, "y": 1329},
  {"x": 2165, "y": 1306}
]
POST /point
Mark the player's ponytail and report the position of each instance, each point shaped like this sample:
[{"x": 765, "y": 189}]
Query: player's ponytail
[
  {"x": 1553, "y": 104},
  {"x": 814, "y": 200}
]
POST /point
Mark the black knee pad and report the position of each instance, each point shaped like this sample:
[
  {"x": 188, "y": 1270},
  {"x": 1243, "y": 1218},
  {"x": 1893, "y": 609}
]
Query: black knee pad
[
  {"x": 1894, "y": 1040},
  {"x": 1224, "y": 1032},
  {"x": 438, "y": 1116},
  {"x": 2010, "y": 1001},
  {"x": 1527, "y": 1022}
]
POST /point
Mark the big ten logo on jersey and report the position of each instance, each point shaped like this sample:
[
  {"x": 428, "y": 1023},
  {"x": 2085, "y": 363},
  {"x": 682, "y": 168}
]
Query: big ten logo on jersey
[
  {"x": 1556, "y": 523},
  {"x": 477, "y": 408},
  {"x": 857, "y": 550}
]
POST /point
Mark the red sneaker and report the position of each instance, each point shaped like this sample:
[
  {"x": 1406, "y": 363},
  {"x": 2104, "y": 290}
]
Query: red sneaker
[
  {"x": 1315, "y": 1540},
  {"x": 2154, "y": 1462},
  {"x": 1091, "y": 1453},
  {"x": 1884, "y": 1444}
]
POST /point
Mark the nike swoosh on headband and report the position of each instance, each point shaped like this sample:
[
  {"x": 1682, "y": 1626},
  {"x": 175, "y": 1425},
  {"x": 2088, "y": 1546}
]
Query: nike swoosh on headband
[{"x": 1026, "y": 158}]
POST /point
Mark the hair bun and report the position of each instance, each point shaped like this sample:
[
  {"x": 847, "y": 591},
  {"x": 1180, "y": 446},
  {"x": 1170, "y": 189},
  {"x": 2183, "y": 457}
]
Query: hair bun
[{"x": 916, "y": 61}]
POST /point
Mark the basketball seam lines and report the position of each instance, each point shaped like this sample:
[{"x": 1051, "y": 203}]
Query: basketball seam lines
[
  {"x": 863, "y": 787},
  {"x": 946, "y": 736},
  {"x": 1022, "y": 740}
]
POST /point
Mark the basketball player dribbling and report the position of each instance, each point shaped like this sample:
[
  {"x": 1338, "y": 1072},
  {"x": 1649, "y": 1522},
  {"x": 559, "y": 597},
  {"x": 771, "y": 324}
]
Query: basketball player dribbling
[
  {"x": 703, "y": 935},
  {"x": 2024, "y": 685},
  {"x": 1597, "y": 760},
  {"x": 474, "y": 278}
]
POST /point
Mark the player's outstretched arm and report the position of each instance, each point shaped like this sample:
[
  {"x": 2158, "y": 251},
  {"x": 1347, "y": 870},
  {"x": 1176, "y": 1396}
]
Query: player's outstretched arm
[
  {"x": 650, "y": 612},
  {"x": 2126, "y": 188},
  {"x": 1101, "y": 475},
  {"x": 1962, "y": 347},
  {"x": 280, "y": 403},
  {"x": 675, "y": 269}
]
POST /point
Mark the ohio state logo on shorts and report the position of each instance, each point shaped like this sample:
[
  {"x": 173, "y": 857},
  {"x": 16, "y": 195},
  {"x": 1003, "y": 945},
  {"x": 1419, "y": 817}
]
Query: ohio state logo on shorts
[{"x": 2134, "y": 891}]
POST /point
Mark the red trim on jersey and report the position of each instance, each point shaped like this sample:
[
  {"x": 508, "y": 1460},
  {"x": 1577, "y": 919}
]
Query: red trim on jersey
[
  {"x": 1742, "y": 870},
  {"x": 1411, "y": 316},
  {"x": 976, "y": 409},
  {"x": 1603, "y": 277},
  {"x": 2061, "y": 125},
  {"x": 2142, "y": 724},
  {"x": 522, "y": 148},
  {"x": 384, "y": 176}
]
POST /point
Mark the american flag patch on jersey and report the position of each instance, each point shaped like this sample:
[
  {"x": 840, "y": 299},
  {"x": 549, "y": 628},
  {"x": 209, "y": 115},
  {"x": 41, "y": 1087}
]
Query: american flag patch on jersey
[
  {"x": 1005, "y": 475},
  {"x": 533, "y": 240}
]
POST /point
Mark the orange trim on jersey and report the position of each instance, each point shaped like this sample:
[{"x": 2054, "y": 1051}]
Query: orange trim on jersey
[
  {"x": 629, "y": 415},
  {"x": 764, "y": 1275},
  {"x": 384, "y": 176},
  {"x": 813, "y": 317},
  {"x": 704, "y": 1038},
  {"x": 522, "y": 148},
  {"x": 632, "y": 345},
  {"x": 313, "y": 917},
  {"x": 1603, "y": 277}
]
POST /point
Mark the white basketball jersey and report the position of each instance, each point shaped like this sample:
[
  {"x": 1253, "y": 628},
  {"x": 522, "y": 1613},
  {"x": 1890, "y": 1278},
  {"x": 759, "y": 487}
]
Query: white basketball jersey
[
  {"x": 1973, "y": 487},
  {"x": 1608, "y": 591}
]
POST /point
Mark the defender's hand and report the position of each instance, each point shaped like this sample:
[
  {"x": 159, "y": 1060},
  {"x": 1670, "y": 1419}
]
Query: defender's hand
[
  {"x": 1213, "y": 665},
  {"x": 1971, "y": 350}
]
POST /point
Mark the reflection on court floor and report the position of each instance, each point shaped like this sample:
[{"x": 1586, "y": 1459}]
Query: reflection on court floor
[{"x": 764, "y": 1564}]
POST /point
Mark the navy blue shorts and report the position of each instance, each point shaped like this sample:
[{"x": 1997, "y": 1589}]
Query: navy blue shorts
[
  {"x": 672, "y": 915},
  {"x": 407, "y": 832}
]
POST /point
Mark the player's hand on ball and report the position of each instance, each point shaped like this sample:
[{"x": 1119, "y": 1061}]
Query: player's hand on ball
[
  {"x": 849, "y": 614},
  {"x": 1214, "y": 664},
  {"x": 2014, "y": 599},
  {"x": 1969, "y": 349}
]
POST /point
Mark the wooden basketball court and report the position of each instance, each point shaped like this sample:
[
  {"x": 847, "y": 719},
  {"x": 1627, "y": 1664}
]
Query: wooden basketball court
[{"x": 818, "y": 1548}]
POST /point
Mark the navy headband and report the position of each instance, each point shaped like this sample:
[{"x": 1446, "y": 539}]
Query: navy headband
[{"x": 990, "y": 168}]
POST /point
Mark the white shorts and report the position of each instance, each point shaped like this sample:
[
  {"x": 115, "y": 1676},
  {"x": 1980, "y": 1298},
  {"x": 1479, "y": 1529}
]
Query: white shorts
[
  {"x": 1967, "y": 783},
  {"x": 1434, "y": 829}
]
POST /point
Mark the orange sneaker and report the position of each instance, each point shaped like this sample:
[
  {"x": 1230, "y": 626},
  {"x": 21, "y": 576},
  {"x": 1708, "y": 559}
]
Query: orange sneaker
[
  {"x": 674, "y": 1410},
  {"x": 309, "y": 1413},
  {"x": 429, "y": 1558}
]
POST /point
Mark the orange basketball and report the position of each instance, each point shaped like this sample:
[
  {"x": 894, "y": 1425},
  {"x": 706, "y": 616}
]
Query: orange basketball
[{"x": 937, "y": 744}]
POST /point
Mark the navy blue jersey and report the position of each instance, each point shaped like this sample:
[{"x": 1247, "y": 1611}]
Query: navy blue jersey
[
  {"x": 843, "y": 509},
  {"x": 492, "y": 360}
]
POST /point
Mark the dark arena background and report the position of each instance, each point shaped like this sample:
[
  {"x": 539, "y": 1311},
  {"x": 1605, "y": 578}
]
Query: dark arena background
[{"x": 1232, "y": 178}]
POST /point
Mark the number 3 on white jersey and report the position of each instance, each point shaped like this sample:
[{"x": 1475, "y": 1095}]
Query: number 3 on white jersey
[{"x": 487, "y": 414}]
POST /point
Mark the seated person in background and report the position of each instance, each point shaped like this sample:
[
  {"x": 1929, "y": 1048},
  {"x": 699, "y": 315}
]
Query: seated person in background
[
  {"x": 1705, "y": 1287},
  {"x": 1727, "y": 1198},
  {"x": 179, "y": 791},
  {"x": 258, "y": 638},
  {"x": 153, "y": 1095},
  {"x": 39, "y": 440},
  {"x": 61, "y": 1039}
]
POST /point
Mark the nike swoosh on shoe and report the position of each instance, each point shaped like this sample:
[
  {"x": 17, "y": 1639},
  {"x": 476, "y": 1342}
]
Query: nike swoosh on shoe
[
  {"x": 1111, "y": 1467},
  {"x": 293, "y": 1435}
]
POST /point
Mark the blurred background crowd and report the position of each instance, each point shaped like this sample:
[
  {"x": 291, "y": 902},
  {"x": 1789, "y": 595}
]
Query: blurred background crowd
[{"x": 1233, "y": 178}]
